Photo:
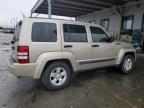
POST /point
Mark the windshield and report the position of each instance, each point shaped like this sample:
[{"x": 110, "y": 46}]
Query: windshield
[{"x": 17, "y": 32}]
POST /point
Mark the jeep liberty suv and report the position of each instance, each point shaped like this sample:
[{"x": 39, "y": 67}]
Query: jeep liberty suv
[{"x": 53, "y": 50}]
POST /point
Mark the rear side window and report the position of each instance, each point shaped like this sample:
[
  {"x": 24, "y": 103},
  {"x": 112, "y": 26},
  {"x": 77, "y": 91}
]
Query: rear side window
[
  {"x": 74, "y": 33},
  {"x": 17, "y": 32},
  {"x": 44, "y": 32}
]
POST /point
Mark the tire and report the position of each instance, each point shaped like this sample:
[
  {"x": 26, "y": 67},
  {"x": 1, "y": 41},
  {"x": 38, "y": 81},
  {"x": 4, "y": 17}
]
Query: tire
[
  {"x": 127, "y": 64},
  {"x": 56, "y": 76}
]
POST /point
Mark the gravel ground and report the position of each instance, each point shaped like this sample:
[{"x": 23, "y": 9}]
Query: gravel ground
[{"x": 5, "y": 38}]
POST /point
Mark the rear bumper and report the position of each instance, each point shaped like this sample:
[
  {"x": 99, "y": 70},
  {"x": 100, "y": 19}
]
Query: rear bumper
[{"x": 22, "y": 70}]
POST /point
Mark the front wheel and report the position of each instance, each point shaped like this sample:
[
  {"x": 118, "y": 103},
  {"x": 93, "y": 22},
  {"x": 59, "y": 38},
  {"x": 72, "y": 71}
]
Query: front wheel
[
  {"x": 127, "y": 64},
  {"x": 56, "y": 76}
]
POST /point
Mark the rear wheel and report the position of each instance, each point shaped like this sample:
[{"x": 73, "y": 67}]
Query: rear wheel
[
  {"x": 56, "y": 76},
  {"x": 127, "y": 64}
]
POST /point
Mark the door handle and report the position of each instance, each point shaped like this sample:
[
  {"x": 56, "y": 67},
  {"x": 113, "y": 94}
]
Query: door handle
[
  {"x": 68, "y": 46},
  {"x": 95, "y": 45}
]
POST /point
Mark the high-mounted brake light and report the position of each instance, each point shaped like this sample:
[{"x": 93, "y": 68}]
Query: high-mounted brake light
[{"x": 23, "y": 54}]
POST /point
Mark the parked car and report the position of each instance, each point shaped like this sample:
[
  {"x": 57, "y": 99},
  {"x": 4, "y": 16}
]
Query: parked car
[
  {"x": 6, "y": 31},
  {"x": 11, "y": 32},
  {"x": 53, "y": 50},
  {"x": 1, "y": 29}
]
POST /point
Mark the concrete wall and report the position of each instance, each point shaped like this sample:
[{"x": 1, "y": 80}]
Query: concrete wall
[
  {"x": 114, "y": 17},
  {"x": 114, "y": 20}
]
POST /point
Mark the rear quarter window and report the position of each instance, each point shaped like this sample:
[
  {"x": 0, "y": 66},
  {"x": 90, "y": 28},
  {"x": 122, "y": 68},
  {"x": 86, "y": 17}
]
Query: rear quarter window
[
  {"x": 17, "y": 32},
  {"x": 44, "y": 32},
  {"x": 74, "y": 33}
]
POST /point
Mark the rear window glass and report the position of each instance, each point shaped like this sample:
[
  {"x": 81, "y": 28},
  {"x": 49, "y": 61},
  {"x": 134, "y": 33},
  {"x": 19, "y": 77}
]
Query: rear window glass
[
  {"x": 74, "y": 33},
  {"x": 17, "y": 32},
  {"x": 44, "y": 32}
]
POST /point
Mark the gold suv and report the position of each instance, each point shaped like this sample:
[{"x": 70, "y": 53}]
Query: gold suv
[{"x": 53, "y": 50}]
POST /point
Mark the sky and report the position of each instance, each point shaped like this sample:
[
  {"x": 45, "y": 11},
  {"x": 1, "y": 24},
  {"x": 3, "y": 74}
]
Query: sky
[{"x": 11, "y": 11}]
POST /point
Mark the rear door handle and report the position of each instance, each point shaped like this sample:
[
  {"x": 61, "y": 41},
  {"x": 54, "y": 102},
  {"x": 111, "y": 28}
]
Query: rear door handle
[
  {"x": 68, "y": 46},
  {"x": 95, "y": 45}
]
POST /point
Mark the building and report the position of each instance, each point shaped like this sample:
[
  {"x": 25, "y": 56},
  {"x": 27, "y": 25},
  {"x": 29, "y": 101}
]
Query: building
[
  {"x": 114, "y": 21},
  {"x": 113, "y": 15}
]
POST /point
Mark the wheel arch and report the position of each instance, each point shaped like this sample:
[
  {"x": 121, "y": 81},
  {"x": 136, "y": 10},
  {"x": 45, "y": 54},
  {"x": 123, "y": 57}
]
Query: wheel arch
[
  {"x": 67, "y": 61},
  {"x": 130, "y": 53},
  {"x": 46, "y": 58},
  {"x": 123, "y": 53}
]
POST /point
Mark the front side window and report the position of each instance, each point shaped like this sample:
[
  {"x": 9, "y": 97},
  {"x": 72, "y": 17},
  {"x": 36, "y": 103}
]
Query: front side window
[
  {"x": 98, "y": 35},
  {"x": 127, "y": 22},
  {"x": 74, "y": 33},
  {"x": 105, "y": 23},
  {"x": 44, "y": 32}
]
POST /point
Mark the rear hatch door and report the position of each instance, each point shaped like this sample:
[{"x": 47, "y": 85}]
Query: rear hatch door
[{"x": 15, "y": 41}]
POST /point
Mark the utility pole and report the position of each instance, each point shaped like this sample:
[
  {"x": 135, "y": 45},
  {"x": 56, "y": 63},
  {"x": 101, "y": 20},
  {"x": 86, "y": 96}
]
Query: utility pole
[
  {"x": 31, "y": 14},
  {"x": 49, "y": 8},
  {"x": 14, "y": 22},
  {"x": 11, "y": 24}
]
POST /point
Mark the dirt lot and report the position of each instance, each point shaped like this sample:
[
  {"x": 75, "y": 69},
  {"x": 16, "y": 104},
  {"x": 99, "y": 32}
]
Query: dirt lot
[{"x": 103, "y": 88}]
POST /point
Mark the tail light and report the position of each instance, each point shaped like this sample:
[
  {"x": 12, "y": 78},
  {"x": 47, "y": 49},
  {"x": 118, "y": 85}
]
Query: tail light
[{"x": 23, "y": 54}]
